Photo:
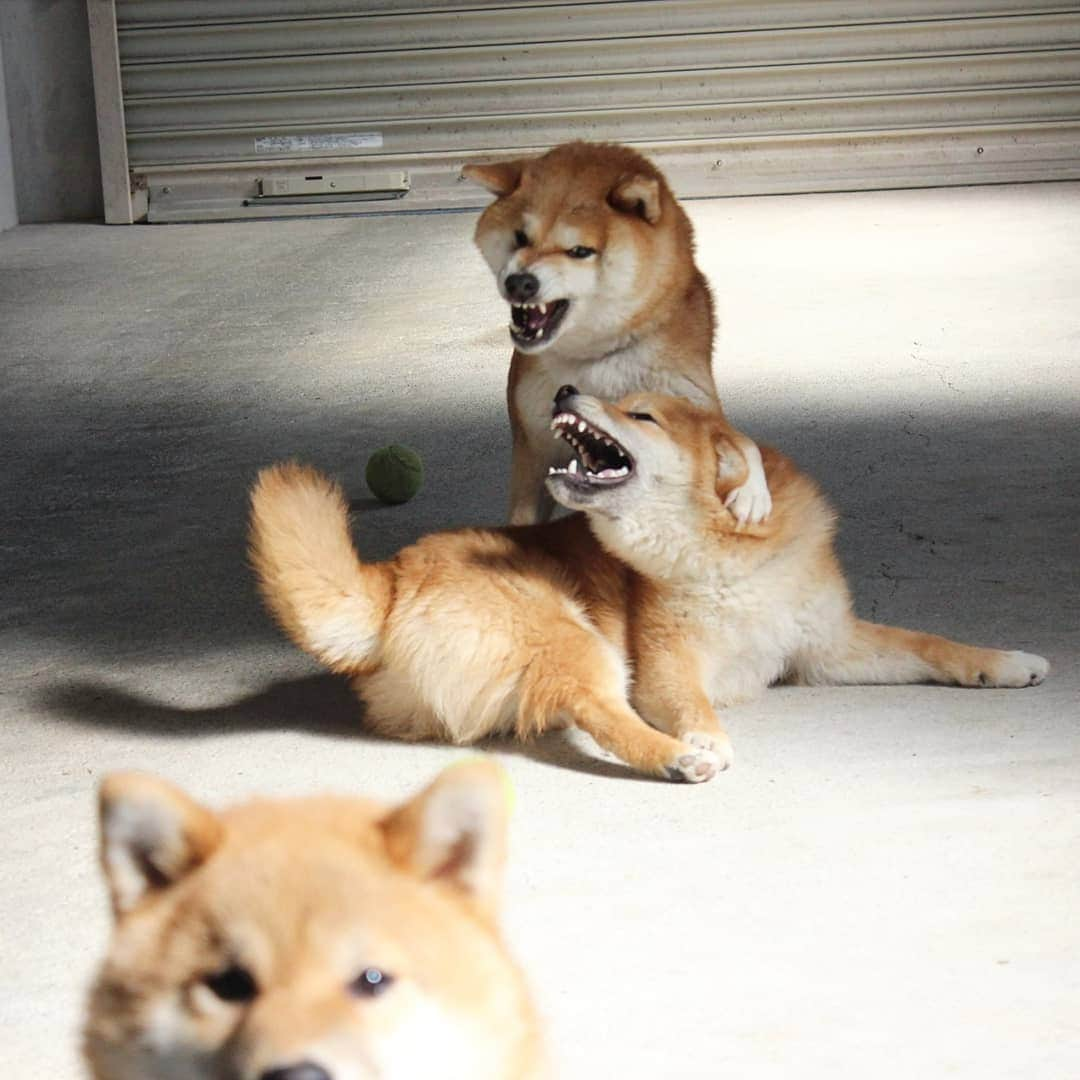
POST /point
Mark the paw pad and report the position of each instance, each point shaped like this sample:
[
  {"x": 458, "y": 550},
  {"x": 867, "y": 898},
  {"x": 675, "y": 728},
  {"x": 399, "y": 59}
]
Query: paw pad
[{"x": 693, "y": 768}]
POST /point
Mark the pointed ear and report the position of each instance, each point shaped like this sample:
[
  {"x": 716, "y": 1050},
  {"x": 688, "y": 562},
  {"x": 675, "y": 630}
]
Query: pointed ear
[
  {"x": 152, "y": 834},
  {"x": 638, "y": 195},
  {"x": 500, "y": 177},
  {"x": 455, "y": 831}
]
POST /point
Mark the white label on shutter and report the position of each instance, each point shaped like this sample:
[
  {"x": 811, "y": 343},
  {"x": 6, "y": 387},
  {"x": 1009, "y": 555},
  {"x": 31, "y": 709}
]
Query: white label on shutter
[{"x": 277, "y": 144}]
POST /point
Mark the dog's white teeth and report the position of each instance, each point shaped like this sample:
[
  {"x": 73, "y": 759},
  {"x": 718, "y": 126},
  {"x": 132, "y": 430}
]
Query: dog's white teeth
[
  {"x": 543, "y": 308},
  {"x": 572, "y": 467},
  {"x": 539, "y": 331},
  {"x": 582, "y": 425}
]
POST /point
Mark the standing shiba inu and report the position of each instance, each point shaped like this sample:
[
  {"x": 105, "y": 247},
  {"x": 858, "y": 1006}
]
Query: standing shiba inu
[
  {"x": 634, "y": 619},
  {"x": 596, "y": 258},
  {"x": 309, "y": 939}
]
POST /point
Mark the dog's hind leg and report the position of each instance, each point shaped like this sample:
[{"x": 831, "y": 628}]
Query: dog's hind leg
[
  {"x": 872, "y": 653},
  {"x": 669, "y": 694},
  {"x": 616, "y": 727},
  {"x": 584, "y": 682}
]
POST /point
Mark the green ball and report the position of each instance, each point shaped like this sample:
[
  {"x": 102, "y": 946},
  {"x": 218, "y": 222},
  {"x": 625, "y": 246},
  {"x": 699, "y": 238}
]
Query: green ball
[{"x": 394, "y": 474}]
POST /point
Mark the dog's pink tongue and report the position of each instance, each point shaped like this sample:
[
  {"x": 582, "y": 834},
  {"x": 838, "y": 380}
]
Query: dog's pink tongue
[{"x": 536, "y": 318}]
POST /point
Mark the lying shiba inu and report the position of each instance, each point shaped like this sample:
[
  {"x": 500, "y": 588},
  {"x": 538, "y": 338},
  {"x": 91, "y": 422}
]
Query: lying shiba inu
[
  {"x": 653, "y": 604},
  {"x": 309, "y": 939},
  {"x": 596, "y": 258}
]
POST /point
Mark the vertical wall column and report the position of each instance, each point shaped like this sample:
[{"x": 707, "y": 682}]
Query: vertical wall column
[
  {"x": 122, "y": 204},
  {"x": 9, "y": 214}
]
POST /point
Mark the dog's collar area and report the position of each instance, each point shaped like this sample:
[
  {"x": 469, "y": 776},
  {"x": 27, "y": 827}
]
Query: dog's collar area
[
  {"x": 533, "y": 323},
  {"x": 599, "y": 460}
]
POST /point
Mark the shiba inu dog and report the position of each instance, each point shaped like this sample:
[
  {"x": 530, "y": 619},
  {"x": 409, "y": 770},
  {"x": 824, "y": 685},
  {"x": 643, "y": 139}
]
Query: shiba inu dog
[
  {"x": 308, "y": 939},
  {"x": 596, "y": 258},
  {"x": 635, "y": 619}
]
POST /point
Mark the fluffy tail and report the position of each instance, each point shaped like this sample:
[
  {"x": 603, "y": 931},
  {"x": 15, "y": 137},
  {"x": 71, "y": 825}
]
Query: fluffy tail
[{"x": 329, "y": 602}]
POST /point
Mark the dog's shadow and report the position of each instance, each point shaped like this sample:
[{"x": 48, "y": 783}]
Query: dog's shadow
[{"x": 319, "y": 704}]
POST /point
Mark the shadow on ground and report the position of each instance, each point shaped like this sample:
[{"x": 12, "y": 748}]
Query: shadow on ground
[
  {"x": 318, "y": 704},
  {"x": 124, "y": 535}
]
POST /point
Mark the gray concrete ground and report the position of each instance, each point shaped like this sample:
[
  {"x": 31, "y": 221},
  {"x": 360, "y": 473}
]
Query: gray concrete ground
[{"x": 887, "y": 883}]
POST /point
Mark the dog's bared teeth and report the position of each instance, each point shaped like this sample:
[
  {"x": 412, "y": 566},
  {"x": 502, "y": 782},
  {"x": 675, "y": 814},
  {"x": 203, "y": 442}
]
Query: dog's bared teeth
[
  {"x": 572, "y": 467},
  {"x": 582, "y": 425}
]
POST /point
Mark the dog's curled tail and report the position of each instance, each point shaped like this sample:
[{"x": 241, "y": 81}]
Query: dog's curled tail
[{"x": 328, "y": 601}]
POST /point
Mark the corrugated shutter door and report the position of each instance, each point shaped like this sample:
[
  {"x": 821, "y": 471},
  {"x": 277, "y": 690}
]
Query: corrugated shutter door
[{"x": 257, "y": 107}]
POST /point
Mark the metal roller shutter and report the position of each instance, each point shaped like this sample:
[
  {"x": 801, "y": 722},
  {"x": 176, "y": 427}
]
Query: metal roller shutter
[{"x": 231, "y": 108}]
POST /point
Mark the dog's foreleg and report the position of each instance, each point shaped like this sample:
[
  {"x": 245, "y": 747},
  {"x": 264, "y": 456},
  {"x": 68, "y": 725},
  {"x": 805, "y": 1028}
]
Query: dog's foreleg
[
  {"x": 529, "y": 501},
  {"x": 751, "y": 502},
  {"x": 872, "y": 653}
]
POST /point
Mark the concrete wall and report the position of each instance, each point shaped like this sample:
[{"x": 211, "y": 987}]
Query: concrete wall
[
  {"x": 50, "y": 105},
  {"x": 8, "y": 213}
]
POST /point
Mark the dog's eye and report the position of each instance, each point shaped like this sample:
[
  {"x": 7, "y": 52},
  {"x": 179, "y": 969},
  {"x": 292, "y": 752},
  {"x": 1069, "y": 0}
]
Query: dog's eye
[
  {"x": 233, "y": 984},
  {"x": 520, "y": 239},
  {"x": 581, "y": 252},
  {"x": 371, "y": 982},
  {"x": 648, "y": 417}
]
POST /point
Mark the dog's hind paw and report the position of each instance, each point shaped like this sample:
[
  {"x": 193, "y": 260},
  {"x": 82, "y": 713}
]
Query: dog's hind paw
[
  {"x": 693, "y": 767},
  {"x": 715, "y": 741}
]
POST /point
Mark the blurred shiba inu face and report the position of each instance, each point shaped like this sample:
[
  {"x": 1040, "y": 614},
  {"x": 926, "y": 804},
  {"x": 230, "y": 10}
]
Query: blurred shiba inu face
[
  {"x": 321, "y": 939},
  {"x": 573, "y": 239}
]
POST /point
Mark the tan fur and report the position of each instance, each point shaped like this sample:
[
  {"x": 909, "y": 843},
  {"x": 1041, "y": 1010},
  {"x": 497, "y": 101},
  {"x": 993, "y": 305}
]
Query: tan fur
[
  {"x": 305, "y": 895},
  {"x": 653, "y": 605},
  {"x": 641, "y": 314}
]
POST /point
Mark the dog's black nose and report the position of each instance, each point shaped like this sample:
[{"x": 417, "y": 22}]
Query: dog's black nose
[
  {"x": 306, "y": 1070},
  {"x": 522, "y": 287},
  {"x": 563, "y": 393}
]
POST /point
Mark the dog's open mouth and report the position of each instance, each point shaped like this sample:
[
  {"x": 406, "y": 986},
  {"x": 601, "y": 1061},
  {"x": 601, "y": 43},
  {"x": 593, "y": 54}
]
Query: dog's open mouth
[
  {"x": 599, "y": 461},
  {"x": 534, "y": 323}
]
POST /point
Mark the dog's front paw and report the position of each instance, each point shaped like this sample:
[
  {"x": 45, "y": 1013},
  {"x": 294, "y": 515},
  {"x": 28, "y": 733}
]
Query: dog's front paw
[
  {"x": 1014, "y": 669},
  {"x": 693, "y": 767},
  {"x": 715, "y": 741},
  {"x": 751, "y": 504}
]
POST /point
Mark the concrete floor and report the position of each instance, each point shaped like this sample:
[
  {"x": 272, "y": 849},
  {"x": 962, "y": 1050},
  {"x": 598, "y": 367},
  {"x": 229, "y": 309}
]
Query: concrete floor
[{"x": 886, "y": 884}]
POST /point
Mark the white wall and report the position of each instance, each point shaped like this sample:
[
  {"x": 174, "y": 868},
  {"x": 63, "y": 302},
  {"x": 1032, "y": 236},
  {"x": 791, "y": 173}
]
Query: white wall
[
  {"x": 8, "y": 213},
  {"x": 50, "y": 101}
]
